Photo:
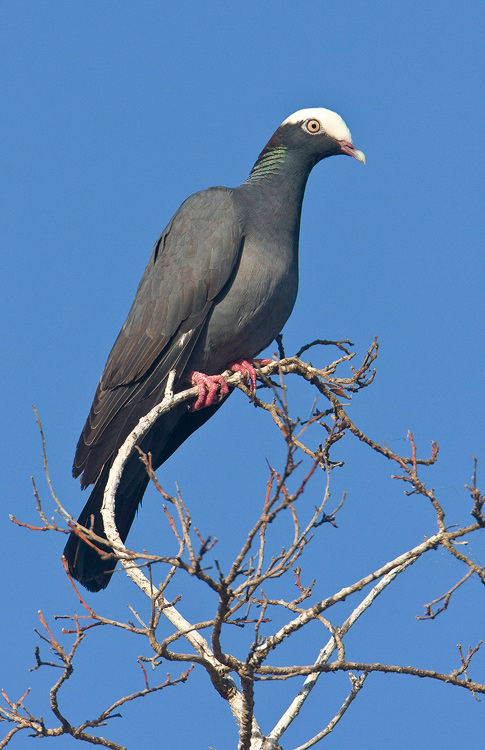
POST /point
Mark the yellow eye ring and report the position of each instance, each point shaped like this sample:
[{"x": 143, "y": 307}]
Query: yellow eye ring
[{"x": 312, "y": 126}]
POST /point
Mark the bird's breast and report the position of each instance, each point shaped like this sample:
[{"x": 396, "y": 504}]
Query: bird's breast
[{"x": 252, "y": 308}]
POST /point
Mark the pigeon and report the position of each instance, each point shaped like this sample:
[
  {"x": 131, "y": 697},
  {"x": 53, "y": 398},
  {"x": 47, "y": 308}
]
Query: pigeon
[{"x": 219, "y": 287}]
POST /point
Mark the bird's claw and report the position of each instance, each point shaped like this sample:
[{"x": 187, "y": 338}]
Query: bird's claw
[
  {"x": 208, "y": 386},
  {"x": 246, "y": 366}
]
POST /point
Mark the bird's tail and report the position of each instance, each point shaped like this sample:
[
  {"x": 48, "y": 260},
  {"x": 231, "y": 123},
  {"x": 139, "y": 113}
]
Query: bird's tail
[
  {"x": 85, "y": 563},
  {"x": 92, "y": 569}
]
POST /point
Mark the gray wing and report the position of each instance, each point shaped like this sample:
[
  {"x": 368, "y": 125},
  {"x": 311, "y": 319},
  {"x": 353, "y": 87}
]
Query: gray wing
[{"x": 191, "y": 263}]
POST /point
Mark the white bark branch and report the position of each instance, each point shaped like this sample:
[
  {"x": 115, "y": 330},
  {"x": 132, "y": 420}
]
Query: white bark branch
[
  {"x": 357, "y": 685},
  {"x": 296, "y": 705},
  {"x": 196, "y": 640}
]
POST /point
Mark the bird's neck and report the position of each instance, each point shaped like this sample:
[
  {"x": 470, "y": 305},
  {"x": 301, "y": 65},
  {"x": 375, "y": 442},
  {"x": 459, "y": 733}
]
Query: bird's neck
[{"x": 280, "y": 175}]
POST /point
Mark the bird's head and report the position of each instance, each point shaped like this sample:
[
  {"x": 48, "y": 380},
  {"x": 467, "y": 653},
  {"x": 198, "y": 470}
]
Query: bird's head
[
  {"x": 302, "y": 140},
  {"x": 314, "y": 134},
  {"x": 318, "y": 132}
]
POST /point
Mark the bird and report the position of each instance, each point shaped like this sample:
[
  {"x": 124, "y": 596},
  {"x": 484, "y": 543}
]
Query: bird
[{"x": 220, "y": 285}]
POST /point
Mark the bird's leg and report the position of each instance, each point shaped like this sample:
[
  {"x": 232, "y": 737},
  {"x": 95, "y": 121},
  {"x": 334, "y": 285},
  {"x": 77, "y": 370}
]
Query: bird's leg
[
  {"x": 208, "y": 386},
  {"x": 246, "y": 366}
]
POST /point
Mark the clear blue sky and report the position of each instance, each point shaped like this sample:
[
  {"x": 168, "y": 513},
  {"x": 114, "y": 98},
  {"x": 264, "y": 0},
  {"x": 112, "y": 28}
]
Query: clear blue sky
[{"x": 113, "y": 113}]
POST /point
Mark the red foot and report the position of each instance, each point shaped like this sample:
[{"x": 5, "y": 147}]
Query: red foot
[
  {"x": 246, "y": 366},
  {"x": 210, "y": 385}
]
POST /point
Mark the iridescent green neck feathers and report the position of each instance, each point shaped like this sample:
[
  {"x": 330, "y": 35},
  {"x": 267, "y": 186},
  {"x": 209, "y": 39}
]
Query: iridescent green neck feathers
[{"x": 270, "y": 162}]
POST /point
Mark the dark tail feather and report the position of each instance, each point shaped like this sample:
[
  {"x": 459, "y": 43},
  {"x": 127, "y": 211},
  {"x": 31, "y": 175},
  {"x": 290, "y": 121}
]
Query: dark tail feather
[{"x": 85, "y": 564}]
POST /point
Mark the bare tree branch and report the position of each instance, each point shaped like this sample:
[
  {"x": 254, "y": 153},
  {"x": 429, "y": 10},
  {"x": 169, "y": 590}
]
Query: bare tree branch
[{"x": 244, "y": 591}]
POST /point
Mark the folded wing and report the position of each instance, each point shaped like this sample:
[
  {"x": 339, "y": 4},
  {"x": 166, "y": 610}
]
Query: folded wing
[{"x": 191, "y": 264}]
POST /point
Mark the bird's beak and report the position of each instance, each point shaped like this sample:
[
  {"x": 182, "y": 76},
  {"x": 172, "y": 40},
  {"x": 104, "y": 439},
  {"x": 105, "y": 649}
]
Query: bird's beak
[{"x": 347, "y": 148}]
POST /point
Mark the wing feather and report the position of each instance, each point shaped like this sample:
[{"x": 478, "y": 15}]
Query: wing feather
[{"x": 191, "y": 263}]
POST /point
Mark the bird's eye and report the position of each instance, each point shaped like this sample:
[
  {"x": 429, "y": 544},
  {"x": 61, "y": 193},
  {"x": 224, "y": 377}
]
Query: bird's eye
[{"x": 312, "y": 126}]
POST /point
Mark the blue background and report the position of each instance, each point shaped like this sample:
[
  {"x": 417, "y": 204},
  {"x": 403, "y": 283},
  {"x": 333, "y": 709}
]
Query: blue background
[{"x": 113, "y": 113}]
